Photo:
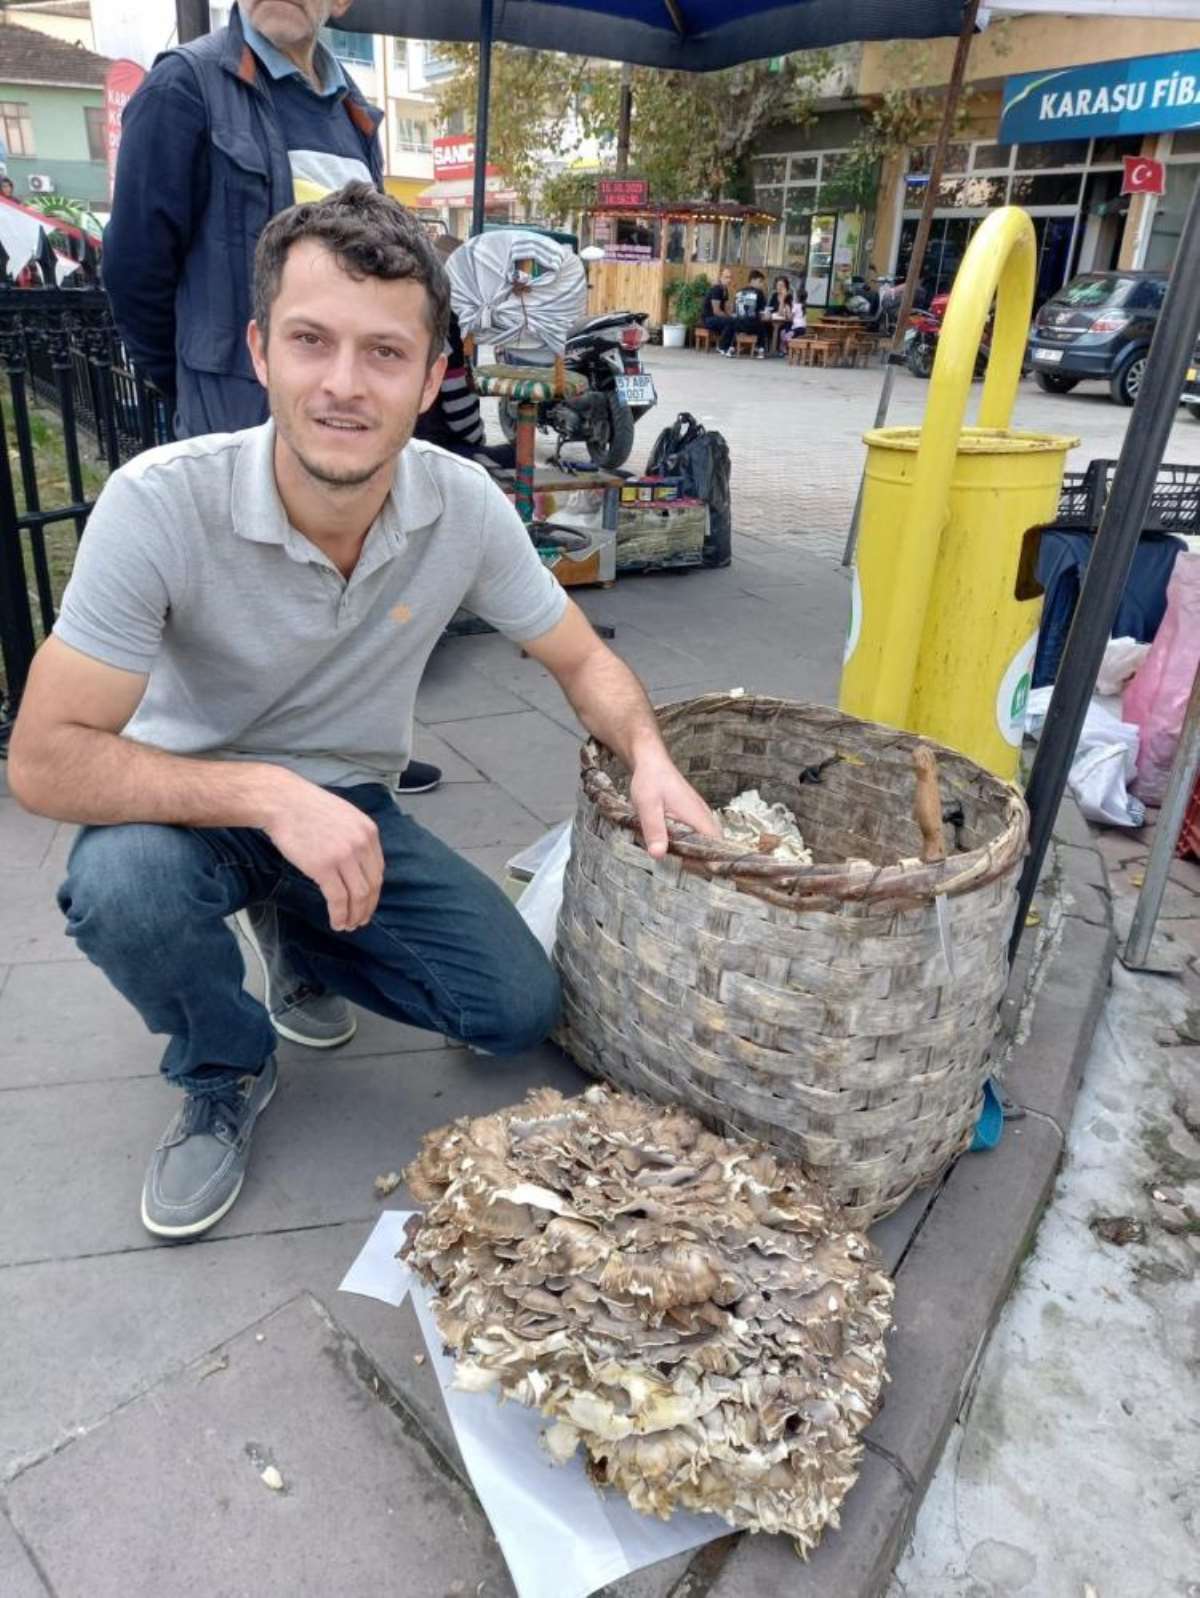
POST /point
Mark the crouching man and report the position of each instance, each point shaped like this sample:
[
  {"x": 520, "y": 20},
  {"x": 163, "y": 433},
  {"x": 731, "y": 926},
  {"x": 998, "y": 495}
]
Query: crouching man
[{"x": 228, "y": 697}]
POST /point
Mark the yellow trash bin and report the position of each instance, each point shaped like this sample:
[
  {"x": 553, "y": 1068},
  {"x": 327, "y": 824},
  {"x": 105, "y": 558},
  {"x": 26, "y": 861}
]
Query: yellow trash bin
[{"x": 939, "y": 642}]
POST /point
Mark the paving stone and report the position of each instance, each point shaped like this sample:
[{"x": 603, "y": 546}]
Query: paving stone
[
  {"x": 1071, "y": 827},
  {"x": 297, "y": 1400},
  {"x": 527, "y": 755},
  {"x": 1117, "y": 847},
  {"x": 952, "y": 1284},
  {"x": 18, "y": 1577},
  {"x": 895, "y": 1233},
  {"x": 474, "y": 815},
  {"x": 1044, "y": 1071},
  {"x": 450, "y": 690},
  {"x": 853, "y": 1562},
  {"x": 1082, "y": 865},
  {"x": 63, "y": 1021},
  {"x": 331, "y": 1129},
  {"x": 31, "y": 926},
  {"x": 1084, "y": 902},
  {"x": 27, "y": 838},
  {"x": 428, "y": 746}
]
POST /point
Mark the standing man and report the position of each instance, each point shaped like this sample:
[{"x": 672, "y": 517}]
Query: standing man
[{"x": 231, "y": 682}]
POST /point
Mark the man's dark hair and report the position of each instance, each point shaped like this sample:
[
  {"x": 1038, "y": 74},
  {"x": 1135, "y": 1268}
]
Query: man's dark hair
[
  {"x": 371, "y": 235},
  {"x": 761, "y": 276}
]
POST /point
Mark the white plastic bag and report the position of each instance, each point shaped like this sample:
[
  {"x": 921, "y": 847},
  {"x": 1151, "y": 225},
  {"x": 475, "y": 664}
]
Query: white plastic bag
[
  {"x": 541, "y": 901},
  {"x": 1122, "y": 657},
  {"x": 1104, "y": 764}
]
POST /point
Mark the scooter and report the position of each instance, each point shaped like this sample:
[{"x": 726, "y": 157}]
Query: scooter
[
  {"x": 607, "y": 351},
  {"x": 921, "y": 341}
]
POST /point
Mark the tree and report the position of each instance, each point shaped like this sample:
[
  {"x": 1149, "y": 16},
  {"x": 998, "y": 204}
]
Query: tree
[{"x": 691, "y": 135}]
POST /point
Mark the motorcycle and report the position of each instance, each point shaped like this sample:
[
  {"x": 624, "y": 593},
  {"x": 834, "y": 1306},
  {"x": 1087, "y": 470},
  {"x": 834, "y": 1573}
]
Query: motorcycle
[
  {"x": 607, "y": 351},
  {"x": 921, "y": 341}
]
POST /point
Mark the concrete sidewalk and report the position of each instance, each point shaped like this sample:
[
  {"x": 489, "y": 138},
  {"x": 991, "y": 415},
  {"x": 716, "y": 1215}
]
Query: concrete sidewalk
[{"x": 146, "y": 1387}]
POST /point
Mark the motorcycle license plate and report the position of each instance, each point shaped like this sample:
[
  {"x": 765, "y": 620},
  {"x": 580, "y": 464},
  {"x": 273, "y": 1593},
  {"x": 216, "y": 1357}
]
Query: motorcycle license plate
[
  {"x": 1048, "y": 357},
  {"x": 636, "y": 390}
]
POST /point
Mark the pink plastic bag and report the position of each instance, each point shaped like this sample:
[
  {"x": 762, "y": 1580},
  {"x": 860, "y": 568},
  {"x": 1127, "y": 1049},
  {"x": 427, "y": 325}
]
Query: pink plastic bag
[{"x": 1157, "y": 697}]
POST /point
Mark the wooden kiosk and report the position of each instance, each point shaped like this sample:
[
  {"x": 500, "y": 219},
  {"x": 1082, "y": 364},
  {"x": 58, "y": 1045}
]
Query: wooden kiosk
[{"x": 648, "y": 246}]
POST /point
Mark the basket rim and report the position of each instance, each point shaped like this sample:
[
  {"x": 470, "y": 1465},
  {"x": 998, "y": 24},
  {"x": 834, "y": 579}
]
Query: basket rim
[{"x": 784, "y": 882}]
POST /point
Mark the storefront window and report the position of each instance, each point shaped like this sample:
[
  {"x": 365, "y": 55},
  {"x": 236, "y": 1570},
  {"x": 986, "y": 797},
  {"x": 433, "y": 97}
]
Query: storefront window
[
  {"x": 637, "y": 238},
  {"x": 1111, "y": 152},
  {"x": 992, "y": 157},
  {"x": 733, "y": 243},
  {"x": 803, "y": 169},
  {"x": 958, "y": 158},
  {"x": 973, "y": 194},
  {"x": 755, "y": 251},
  {"x": 676, "y": 232},
  {"x": 1048, "y": 188},
  {"x": 1185, "y": 143},
  {"x": 1057, "y": 152},
  {"x": 704, "y": 243},
  {"x": 795, "y": 248},
  {"x": 771, "y": 199},
  {"x": 1169, "y": 214},
  {"x": 770, "y": 169}
]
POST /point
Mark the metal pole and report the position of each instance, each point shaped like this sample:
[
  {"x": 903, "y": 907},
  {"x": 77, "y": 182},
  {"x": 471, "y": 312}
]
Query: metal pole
[
  {"x": 1113, "y": 552},
  {"x": 625, "y": 119},
  {"x": 482, "y": 102},
  {"x": 191, "y": 20},
  {"x": 895, "y": 356},
  {"x": 1170, "y": 822}
]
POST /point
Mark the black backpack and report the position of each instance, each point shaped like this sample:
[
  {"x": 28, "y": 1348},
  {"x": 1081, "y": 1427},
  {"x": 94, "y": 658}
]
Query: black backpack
[{"x": 687, "y": 450}]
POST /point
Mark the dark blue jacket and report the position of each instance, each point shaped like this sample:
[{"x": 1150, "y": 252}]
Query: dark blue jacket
[{"x": 203, "y": 166}]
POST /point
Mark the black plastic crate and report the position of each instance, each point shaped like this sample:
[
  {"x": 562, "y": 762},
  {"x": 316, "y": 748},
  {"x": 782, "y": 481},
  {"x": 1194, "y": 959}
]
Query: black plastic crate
[{"x": 1174, "y": 505}]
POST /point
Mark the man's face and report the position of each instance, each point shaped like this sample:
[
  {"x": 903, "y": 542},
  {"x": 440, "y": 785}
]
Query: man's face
[
  {"x": 727, "y": 277},
  {"x": 345, "y": 366},
  {"x": 288, "y": 23}
]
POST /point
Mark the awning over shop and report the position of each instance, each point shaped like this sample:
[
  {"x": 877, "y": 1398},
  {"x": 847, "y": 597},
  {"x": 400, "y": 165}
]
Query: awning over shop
[
  {"x": 407, "y": 190},
  {"x": 456, "y": 193}
]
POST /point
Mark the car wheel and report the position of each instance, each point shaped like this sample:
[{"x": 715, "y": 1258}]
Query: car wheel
[
  {"x": 1194, "y": 412},
  {"x": 1052, "y": 383},
  {"x": 1127, "y": 380}
]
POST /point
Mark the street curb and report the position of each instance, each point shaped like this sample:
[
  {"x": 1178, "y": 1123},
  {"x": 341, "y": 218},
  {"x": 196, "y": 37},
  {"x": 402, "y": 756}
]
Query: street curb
[{"x": 953, "y": 1279}]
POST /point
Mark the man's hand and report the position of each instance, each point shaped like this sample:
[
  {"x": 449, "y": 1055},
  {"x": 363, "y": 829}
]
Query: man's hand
[
  {"x": 658, "y": 790},
  {"x": 334, "y": 843}
]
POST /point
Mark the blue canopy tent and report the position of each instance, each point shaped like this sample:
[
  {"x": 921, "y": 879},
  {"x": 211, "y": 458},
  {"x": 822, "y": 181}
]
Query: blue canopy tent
[{"x": 678, "y": 35}]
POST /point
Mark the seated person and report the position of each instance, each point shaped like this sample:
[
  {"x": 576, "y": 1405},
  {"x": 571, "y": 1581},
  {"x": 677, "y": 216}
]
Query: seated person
[
  {"x": 453, "y": 420},
  {"x": 799, "y": 323},
  {"x": 750, "y": 308},
  {"x": 715, "y": 312},
  {"x": 779, "y": 307},
  {"x": 228, "y": 696}
]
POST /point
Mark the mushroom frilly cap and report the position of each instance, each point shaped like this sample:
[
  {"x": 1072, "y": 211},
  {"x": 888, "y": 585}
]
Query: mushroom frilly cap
[{"x": 693, "y": 1310}]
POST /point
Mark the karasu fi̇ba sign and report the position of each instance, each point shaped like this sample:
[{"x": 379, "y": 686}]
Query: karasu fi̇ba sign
[{"x": 1150, "y": 94}]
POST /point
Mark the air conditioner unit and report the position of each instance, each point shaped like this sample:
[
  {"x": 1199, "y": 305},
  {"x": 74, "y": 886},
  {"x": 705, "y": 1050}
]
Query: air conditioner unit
[{"x": 41, "y": 183}]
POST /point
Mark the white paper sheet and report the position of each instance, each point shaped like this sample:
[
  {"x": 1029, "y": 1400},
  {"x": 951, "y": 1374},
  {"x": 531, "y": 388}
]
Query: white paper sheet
[{"x": 560, "y": 1536}]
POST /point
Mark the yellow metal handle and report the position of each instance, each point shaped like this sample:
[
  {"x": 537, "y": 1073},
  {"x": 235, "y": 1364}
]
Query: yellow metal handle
[{"x": 1000, "y": 263}]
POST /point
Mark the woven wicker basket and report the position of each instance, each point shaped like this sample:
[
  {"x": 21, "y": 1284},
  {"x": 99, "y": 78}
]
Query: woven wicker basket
[{"x": 815, "y": 1007}]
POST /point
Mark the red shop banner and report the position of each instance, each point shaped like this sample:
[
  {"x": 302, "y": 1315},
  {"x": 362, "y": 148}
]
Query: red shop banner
[{"x": 120, "y": 81}]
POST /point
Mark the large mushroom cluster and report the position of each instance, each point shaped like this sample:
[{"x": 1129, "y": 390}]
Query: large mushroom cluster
[{"x": 693, "y": 1310}]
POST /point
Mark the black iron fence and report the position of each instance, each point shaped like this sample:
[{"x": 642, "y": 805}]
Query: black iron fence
[{"x": 71, "y": 410}]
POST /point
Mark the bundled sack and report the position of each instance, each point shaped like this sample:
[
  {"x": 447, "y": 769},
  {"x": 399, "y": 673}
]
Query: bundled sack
[
  {"x": 1156, "y": 699},
  {"x": 692, "y": 1310},
  {"x": 689, "y": 451}
]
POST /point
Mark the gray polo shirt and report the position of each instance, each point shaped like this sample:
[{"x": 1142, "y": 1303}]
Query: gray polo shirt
[{"x": 255, "y": 646}]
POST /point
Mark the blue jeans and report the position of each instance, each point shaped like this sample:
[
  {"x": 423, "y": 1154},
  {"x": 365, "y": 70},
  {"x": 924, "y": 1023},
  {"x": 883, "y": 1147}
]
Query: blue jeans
[{"x": 445, "y": 948}]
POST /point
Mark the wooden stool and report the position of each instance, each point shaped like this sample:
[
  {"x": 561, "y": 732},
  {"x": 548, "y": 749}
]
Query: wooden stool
[
  {"x": 795, "y": 352},
  {"x": 819, "y": 351},
  {"x": 744, "y": 341},
  {"x": 527, "y": 387},
  {"x": 702, "y": 338}
]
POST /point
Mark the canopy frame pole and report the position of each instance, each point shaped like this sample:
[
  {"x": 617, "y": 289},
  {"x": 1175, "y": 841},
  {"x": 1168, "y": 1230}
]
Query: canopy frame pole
[
  {"x": 895, "y": 356},
  {"x": 482, "y": 107},
  {"x": 1113, "y": 551},
  {"x": 1136, "y": 954},
  {"x": 192, "y": 20}
]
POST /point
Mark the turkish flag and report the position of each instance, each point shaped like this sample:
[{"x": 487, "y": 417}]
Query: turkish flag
[{"x": 1143, "y": 176}]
